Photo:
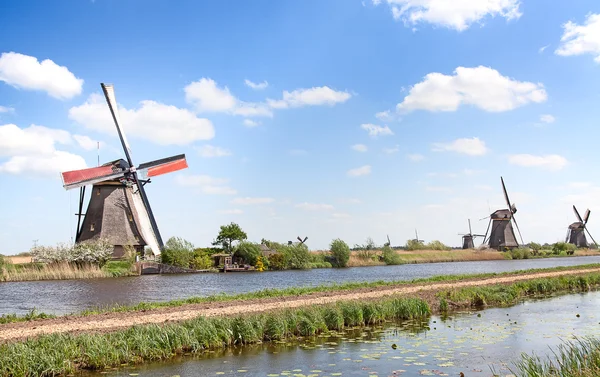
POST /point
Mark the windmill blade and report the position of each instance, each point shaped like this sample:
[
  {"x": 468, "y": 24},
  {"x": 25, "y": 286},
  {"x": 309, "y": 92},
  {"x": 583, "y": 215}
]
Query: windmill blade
[
  {"x": 109, "y": 94},
  {"x": 506, "y": 195},
  {"x": 162, "y": 166},
  {"x": 299, "y": 239},
  {"x": 592, "y": 238},
  {"x": 586, "y": 216},
  {"x": 305, "y": 238},
  {"x": 470, "y": 231},
  {"x": 518, "y": 230},
  {"x": 77, "y": 178},
  {"x": 577, "y": 214},
  {"x": 388, "y": 238},
  {"x": 147, "y": 226}
]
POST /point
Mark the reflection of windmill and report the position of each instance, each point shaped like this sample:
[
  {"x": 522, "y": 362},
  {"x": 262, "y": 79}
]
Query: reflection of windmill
[
  {"x": 119, "y": 209},
  {"x": 502, "y": 235},
  {"x": 576, "y": 231},
  {"x": 468, "y": 238}
]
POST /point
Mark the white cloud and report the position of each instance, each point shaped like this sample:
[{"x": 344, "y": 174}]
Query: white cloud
[
  {"x": 206, "y": 184},
  {"x": 86, "y": 142},
  {"x": 255, "y": 86},
  {"x": 363, "y": 170},
  {"x": 396, "y": 149},
  {"x": 376, "y": 2},
  {"x": 360, "y": 147},
  {"x": 581, "y": 39},
  {"x": 46, "y": 165},
  {"x": 482, "y": 87},
  {"x": 580, "y": 185},
  {"x": 4, "y": 109},
  {"x": 251, "y": 123},
  {"x": 212, "y": 151},
  {"x": 547, "y": 118},
  {"x": 456, "y": 14},
  {"x": 159, "y": 123},
  {"x": 375, "y": 130},
  {"x": 415, "y": 157},
  {"x": 25, "y": 72},
  {"x": 314, "y": 206},
  {"x": 315, "y": 96},
  {"x": 548, "y": 162},
  {"x": 32, "y": 150},
  {"x": 472, "y": 171},
  {"x": 251, "y": 201},
  {"x": 543, "y": 48},
  {"x": 231, "y": 212},
  {"x": 385, "y": 116},
  {"x": 471, "y": 147},
  {"x": 206, "y": 96}
]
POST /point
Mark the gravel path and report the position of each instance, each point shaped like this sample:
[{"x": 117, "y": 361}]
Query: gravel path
[{"x": 113, "y": 321}]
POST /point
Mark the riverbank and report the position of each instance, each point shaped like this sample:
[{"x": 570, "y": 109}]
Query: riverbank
[
  {"x": 65, "y": 344},
  {"x": 64, "y": 271}
]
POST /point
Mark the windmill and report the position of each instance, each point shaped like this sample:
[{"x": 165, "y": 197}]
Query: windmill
[
  {"x": 417, "y": 237},
  {"x": 302, "y": 241},
  {"x": 502, "y": 234},
  {"x": 468, "y": 238},
  {"x": 576, "y": 231},
  {"x": 388, "y": 243},
  {"x": 119, "y": 209}
]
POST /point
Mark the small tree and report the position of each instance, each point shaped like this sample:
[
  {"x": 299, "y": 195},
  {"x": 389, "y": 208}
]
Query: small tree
[
  {"x": 340, "y": 252},
  {"x": 389, "y": 256},
  {"x": 178, "y": 252},
  {"x": 228, "y": 234},
  {"x": 248, "y": 251}
]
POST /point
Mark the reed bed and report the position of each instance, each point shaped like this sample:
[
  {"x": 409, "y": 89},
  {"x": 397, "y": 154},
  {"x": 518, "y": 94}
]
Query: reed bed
[
  {"x": 364, "y": 258},
  {"x": 63, "y": 271},
  {"x": 62, "y": 354},
  {"x": 576, "y": 358}
]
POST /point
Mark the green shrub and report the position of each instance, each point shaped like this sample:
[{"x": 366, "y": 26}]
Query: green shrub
[
  {"x": 340, "y": 251},
  {"x": 563, "y": 248},
  {"x": 437, "y": 245},
  {"x": 415, "y": 245},
  {"x": 295, "y": 257},
  {"x": 535, "y": 246},
  {"x": 276, "y": 261},
  {"x": 201, "y": 260},
  {"x": 178, "y": 252},
  {"x": 390, "y": 257},
  {"x": 248, "y": 251}
]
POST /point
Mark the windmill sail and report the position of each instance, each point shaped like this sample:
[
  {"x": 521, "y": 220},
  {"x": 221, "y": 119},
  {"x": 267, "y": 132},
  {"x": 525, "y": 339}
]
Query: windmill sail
[
  {"x": 145, "y": 224},
  {"x": 109, "y": 93}
]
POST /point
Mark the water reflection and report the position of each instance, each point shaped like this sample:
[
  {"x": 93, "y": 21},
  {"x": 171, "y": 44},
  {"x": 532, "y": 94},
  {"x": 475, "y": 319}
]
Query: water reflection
[{"x": 69, "y": 296}]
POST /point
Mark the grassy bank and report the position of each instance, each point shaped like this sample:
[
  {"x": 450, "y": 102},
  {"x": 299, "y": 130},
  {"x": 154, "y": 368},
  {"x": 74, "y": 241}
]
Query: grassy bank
[
  {"x": 578, "y": 358},
  {"x": 66, "y": 354},
  {"x": 63, "y": 271}
]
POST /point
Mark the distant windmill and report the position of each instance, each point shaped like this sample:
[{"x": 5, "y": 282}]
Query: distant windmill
[
  {"x": 576, "y": 231},
  {"x": 502, "y": 235},
  {"x": 302, "y": 241},
  {"x": 388, "y": 243},
  {"x": 417, "y": 237},
  {"x": 468, "y": 238}
]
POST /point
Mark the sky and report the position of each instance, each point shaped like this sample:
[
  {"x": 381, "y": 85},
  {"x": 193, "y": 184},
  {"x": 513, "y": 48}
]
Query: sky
[{"x": 322, "y": 119}]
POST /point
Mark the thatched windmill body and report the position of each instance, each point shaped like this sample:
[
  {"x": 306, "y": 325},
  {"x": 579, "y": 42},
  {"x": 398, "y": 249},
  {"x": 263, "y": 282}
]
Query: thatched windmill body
[
  {"x": 469, "y": 237},
  {"x": 119, "y": 210},
  {"x": 576, "y": 231},
  {"x": 501, "y": 233}
]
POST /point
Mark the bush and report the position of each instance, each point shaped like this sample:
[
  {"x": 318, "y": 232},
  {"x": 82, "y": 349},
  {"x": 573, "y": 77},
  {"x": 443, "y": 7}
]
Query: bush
[
  {"x": 248, "y": 251},
  {"x": 340, "y": 251},
  {"x": 91, "y": 251},
  {"x": 437, "y": 245},
  {"x": 276, "y": 261},
  {"x": 535, "y": 246},
  {"x": 295, "y": 257},
  {"x": 563, "y": 248},
  {"x": 178, "y": 252},
  {"x": 414, "y": 245},
  {"x": 390, "y": 257},
  {"x": 201, "y": 260}
]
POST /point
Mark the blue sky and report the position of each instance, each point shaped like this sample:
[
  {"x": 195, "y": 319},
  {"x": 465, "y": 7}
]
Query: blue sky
[{"x": 309, "y": 118}]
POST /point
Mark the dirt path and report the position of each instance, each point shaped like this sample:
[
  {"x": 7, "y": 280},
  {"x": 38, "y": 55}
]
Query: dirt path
[{"x": 114, "y": 321}]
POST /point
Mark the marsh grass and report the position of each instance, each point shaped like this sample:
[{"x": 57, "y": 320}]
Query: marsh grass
[
  {"x": 62, "y": 354},
  {"x": 576, "y": 358},
  {"x": 64, "y": 271}
]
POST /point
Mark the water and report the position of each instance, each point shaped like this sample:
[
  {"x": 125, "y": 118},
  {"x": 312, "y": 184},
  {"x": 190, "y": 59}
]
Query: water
[
  {"x": 72, "y": 296},
  {"x": 464, "y": 343}
]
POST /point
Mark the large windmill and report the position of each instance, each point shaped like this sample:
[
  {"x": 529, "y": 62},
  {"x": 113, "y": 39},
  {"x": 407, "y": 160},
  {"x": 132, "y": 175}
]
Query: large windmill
[
  {"x": 468, "y": 238},
  {"x": 502, "y": 235},
  {"x": 119, "y": 210},
  {"x": 576, "y": 231}
]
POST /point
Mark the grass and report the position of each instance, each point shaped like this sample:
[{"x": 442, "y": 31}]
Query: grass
[
  {"x": 32, "y": 315},
  {"x": 62, "y": 354},
  {"x": 577, "y": 358},
  {"x": 63, "y": 271}
]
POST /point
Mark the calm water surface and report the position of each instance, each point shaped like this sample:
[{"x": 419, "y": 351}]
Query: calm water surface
[
  {"x": 464, "y": 343},
  {"x": 71, "y": 296}
]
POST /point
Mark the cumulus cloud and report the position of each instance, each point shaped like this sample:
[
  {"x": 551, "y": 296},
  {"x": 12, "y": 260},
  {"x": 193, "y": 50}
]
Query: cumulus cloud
[
  {"x": 357, "y": 172},
  {"x": 251, "y": 123},
  {"x": 360, "y": 147},
  {"x": 256, "y": 86},
  {"x": 32, "y": 150},
  {"x": 251, "y": 201},
  {"x": 457, "y": 14},
  {"x": 581, "y": 39},
  {"x": 471, "y": 147},
  {"x": 314, "y": 206},
  {"x": 86, "y": 142},
  {"x": 375, "y": 130},
  {"x": 316, "y": 96},
  {"x": 206, "y": 184},
  {"x": 547, "y": 118},
  {"x": 4, "y": 109},
  {"x": 212, "y": 151},
  {"x": 547, "y": 162},
  {"x": 26, "y": 72},
  {"x": 415, "y": 157},
  {"x": 482, "y": 87},
  {"x": 153, "y": 121},
  {"x": 385, "y": 116},
  {"x": 393, "y": 150}
]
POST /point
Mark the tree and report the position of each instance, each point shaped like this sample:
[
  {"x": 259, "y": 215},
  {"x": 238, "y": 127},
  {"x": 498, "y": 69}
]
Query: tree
[
  {"x": 228, "y": 234},
  {"x": 340, "y": 252},
  {"x": 178, "y": 252}
]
